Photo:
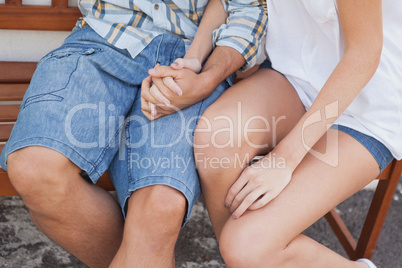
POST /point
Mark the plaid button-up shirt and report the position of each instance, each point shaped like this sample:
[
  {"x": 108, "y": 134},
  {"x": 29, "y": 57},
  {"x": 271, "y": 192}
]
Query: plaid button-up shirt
[{"x": 132, "y": 24}]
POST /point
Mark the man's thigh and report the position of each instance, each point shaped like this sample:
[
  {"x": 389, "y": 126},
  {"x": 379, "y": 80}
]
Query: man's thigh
[{"x": 76, "y": 103}]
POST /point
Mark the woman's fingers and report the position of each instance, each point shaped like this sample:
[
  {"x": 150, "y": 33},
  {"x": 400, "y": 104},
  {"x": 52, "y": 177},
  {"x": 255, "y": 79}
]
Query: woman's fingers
[
  {"x": 157, "y": 95},
  {"x": 248, "y": 201},
  {"x": 172, "y": 85},
  {"x": 153, "y": 109},
  {"x": 235, "y": 189},
  {"x": 238, "y": 199},
  {"x": 265, "y": 199},
  {"x": 189, "y": 63},
  {"x": 145, "y": 90}
]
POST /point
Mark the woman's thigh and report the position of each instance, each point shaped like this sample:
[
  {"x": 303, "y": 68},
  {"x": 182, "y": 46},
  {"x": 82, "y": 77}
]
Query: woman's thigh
[
  {"x": 247, "y": 120},
  {"x": 250, "y": 117},
  {"x": 318, "y": 184}
]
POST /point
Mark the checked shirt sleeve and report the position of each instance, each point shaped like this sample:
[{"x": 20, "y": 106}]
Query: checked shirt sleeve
[{"x": 244, "y": 28}]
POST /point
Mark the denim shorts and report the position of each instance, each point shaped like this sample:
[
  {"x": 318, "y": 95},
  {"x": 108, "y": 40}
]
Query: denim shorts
[
  {"x": 84, "y": 102},
  {"x": 378, "y": 150}
]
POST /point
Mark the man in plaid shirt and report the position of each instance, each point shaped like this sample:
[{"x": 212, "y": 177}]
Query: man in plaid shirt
[{"x": 92, "y": 106}]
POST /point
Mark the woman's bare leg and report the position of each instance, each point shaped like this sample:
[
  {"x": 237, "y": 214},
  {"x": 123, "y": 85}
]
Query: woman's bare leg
[
  {"x": 270, "y": 236},
  {"x": 267, "y": 94}
]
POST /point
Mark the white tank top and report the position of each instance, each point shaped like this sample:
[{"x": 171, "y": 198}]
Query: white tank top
[{"x": 304, "y": 42}]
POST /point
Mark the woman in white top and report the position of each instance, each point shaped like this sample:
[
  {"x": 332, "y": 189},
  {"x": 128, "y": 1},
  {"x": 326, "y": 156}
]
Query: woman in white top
[
  {"x": 326, "y": 55},
  {"x": 334, "y": 63}
]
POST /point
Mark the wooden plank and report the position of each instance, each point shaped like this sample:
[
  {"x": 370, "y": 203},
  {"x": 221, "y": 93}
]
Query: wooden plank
[
  {"x": 386, "y": 173},
  {"x": 9, "y": 113},
  {"x": 5, "y": 131},
  {"x": 60, "y": 3},
  {"x": 64, "y": 3},
  {"x": 16, "y": 72},
  {"x": 6, "y": 189},
  {"x": 12, "y": 92},
  {"x": 105, "y": 182},
  {"x": 342, "y": 232},
  {"x": 382, "y": 200},
  {"x": 13, "y": 2},
  {"x": 38, "y": 18}
]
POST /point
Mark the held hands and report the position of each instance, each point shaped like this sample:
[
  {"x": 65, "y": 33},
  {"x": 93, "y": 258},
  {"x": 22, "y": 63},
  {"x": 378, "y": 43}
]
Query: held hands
[
  {"x": 169, "y": 89},
  {"x": 258, "y": 184}
]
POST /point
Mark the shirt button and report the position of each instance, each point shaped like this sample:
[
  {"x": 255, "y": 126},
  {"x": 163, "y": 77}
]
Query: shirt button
[{"x": 156, "y": 6}]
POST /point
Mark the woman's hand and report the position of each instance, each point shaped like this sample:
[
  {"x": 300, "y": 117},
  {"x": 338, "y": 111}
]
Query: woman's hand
[
  {"x": 258, "y": 185},
  {"x": 192, "y": 64}
]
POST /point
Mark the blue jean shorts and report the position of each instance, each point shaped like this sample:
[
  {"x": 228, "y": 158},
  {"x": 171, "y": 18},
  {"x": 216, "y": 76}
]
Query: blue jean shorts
[
  {"x": 381, "y": 153},
  {"x": 378, "y": 150},
  {"x": 84, "y": 102}
]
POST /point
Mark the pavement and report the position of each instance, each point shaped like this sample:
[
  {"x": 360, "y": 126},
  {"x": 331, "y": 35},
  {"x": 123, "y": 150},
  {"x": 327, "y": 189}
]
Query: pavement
[{"x": 22, "y": 245}]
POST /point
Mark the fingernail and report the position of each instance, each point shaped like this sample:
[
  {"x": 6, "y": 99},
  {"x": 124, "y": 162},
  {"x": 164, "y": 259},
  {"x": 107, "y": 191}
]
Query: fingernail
[
  {"x": 230, "y": 212},
  {"x": 226, "y": 206},
  {"x": 152, "y": 71},
  {"x": 234, "y": 216},
  {"x": 166, "y": 102},
  {"x": 175, "y": 64}
]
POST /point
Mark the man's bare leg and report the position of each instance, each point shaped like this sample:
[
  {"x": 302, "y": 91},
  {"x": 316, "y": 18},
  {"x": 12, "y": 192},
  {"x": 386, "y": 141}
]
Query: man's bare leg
[
  {"x": 154, "y": 218},
  {"x": 82, "y": 218}
]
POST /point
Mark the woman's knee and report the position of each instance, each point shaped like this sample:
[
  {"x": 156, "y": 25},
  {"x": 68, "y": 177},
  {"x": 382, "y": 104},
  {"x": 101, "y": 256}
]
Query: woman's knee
[{"x": 240, "y": 246}]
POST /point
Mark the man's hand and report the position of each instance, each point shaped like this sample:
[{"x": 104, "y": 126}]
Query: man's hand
[{"x": 170, "y": 89}]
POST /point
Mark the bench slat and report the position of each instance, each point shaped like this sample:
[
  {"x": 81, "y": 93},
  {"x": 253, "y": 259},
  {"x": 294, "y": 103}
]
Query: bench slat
[
  {"x": 60, "y": 3},
  {"x": 105, "y": 182},
  {"x": 6, "y": 189},
  {"x": 385, "y": 174},
  {"x": 16, "y": 72},
  {"x": 12, "y": 92},
  {"x": 38, "y": 18},
  {"x": 13, "y": 2},
  {"x": 9, "y": 113},
  {"x": 5, "y": 131}
]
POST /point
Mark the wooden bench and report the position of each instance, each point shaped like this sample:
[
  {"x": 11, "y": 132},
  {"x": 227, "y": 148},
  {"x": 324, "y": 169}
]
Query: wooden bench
[{"x": 15, "y": 77}]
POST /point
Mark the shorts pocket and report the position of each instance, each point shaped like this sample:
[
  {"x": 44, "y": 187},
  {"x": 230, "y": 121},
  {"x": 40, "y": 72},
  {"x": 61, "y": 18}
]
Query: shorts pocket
[{"x": 54, "y": 73}]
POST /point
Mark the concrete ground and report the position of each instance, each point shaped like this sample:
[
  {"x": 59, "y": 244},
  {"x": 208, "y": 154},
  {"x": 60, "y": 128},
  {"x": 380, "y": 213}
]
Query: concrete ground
[{"x": 22, "y": 245}]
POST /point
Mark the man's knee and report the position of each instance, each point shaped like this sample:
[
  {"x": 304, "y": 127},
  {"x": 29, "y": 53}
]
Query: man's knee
[
  {"x": 37, "y": 171},
  {"x": 158, "y": 202}
]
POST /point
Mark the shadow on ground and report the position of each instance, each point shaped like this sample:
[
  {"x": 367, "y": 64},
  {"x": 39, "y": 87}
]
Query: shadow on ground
[{"x": 22, "y": 245}]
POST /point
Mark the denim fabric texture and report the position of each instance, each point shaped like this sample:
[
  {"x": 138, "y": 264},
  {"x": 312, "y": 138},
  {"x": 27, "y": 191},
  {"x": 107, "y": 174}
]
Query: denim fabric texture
[
  {"x": 84, "y": 102},
  {"x": 381, "y": 153}
]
